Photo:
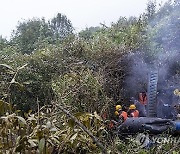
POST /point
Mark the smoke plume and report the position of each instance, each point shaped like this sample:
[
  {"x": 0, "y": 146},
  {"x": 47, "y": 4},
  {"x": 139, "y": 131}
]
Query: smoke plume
[{"x": 166, "y": 60}]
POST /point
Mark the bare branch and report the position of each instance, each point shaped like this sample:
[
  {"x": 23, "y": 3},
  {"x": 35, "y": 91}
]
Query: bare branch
[{"x": 84, "y": 129}]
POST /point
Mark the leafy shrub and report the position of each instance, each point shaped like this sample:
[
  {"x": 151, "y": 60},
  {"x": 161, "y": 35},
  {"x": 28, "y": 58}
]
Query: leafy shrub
[
  {"x": 81, "y": 89},
  {"x": 46, "y": 132}
]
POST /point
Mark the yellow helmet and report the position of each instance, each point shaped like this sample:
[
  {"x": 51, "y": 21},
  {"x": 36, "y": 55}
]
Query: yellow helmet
[
  {"x": 131, "y": 107},
  {"x": 116, "y": 113},
  {"x": 177, "y": 92},
  {"x": 118, "y": 107}
]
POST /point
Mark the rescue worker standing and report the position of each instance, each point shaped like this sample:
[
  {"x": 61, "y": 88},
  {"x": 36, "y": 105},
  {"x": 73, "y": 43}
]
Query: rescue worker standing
[
  {"x": 122, "y": 115},
  {"x": 132, "y": 112},
  {"x": 143, "y": 98}
]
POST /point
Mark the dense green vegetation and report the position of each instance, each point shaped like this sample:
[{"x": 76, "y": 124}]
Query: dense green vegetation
[{"x": 46, "y": 66}]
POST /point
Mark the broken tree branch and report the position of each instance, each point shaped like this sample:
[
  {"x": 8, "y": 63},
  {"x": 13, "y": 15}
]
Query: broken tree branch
[{"x": 84, "y": 129}]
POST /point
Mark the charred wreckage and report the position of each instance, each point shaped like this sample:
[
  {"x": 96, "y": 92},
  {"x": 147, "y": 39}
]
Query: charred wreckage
[{"x": 157, "y": 120}]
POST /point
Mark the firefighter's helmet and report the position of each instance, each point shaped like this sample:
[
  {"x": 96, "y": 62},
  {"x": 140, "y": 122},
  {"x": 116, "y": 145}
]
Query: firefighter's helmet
[
  {"x": 177, "y": 92},
  {"x": 131, "y": 107},
  {"x": 118, "y": 107},
  {"x": 116, "y": 113}
]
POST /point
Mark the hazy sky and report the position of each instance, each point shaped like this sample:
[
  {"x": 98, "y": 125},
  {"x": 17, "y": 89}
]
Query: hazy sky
[{"x": 82, "y": 13}]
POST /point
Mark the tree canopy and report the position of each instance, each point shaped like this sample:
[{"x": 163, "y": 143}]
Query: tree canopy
[{"x": 31, "y": 34}]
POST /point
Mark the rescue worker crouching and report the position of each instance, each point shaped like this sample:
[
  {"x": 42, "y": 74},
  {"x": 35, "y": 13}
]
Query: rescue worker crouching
[
  {"x": 132, "y": 112},
  {"x": 121, "y": 115}
]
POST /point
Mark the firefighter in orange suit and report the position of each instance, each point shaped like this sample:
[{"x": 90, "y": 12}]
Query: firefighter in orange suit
[
  {"x": 143, "y": 98},
  {"x": 132, "y": 112},
  {"x": 122, "y": 115}
]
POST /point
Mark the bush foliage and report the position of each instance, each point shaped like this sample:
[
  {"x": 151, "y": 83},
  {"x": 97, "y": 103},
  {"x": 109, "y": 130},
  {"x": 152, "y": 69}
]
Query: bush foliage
[{"x": 45, "y": 66}]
